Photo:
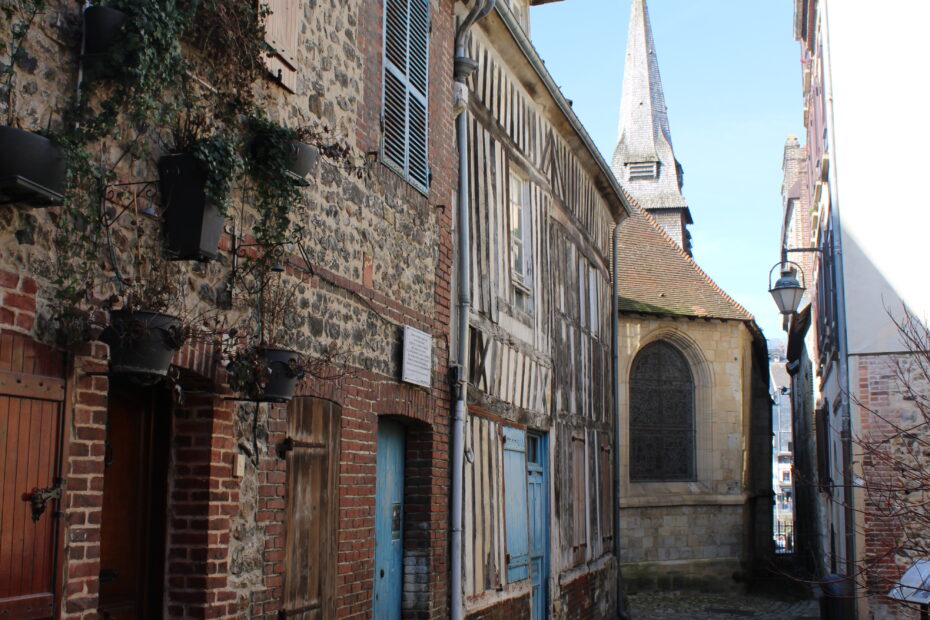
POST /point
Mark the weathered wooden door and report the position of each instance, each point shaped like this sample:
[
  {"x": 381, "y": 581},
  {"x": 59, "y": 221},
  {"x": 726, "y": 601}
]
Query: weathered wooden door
[
  {"x": 389, "y": 513},
  {"x": 312, "y": 456},
  {"x": 515, "y": 506},
  {"x": 132, "y": 530},
  {"x": 32, "y": 390},
  {"x": 537, "y": 485}
]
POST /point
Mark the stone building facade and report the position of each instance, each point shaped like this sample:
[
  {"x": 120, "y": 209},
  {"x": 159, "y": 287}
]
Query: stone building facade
[{"x": 218, "y": 499}]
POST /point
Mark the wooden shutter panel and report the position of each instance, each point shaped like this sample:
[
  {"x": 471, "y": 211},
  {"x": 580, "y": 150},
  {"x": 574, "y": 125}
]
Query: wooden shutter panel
[
  {"x": 312, "y": 462},
  {"x": 606, "y": 490},
  {"x": 406, "y": 83},
  {"x": 515, "y": 507},
  {"x": 282, "y": 32},
  {"x": 579, "y": 518}
]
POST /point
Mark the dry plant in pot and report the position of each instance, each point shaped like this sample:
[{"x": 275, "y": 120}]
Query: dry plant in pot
[{"x": 259, "y": 367}]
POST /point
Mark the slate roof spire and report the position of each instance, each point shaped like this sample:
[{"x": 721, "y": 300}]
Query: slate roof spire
[{"x": 644, "y": 162}]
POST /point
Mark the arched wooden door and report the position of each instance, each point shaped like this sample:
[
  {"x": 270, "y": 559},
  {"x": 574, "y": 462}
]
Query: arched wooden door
[{"x": 32, "y": 392}]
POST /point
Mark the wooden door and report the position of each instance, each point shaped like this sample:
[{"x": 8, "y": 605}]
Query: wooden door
[
  {"x": 32, "y": 390},
  {"x": 389, "y": 526},
  {"x": 312, "y": 456},
  {"x": 537, "y": 485},
  {"x": 132, "y": 531},
  {"x": 515, "y": 506}
]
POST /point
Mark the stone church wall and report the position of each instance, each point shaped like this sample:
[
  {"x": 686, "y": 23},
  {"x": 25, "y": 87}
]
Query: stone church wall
[{"x": 693, "y": 534}]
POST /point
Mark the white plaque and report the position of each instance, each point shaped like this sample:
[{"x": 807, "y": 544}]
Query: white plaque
[{"x": 418, "y": 357}]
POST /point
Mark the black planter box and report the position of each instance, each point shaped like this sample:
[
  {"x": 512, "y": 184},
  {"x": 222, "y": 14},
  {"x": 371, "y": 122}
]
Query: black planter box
[
  {"x": 193, "y": 224},
  {"x": 103, "y": 27},
  {"x": 32, "y": 169},
  {"x": 142, "y": 343},
  {"x": 305, "y": 158}
]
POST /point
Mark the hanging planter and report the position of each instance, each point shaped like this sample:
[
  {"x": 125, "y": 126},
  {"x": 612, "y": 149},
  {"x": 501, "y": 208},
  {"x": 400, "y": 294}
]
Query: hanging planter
[
  {"x": 142, "y": 343},
  {"x": 193, "y": 223},
  {"x": 32, "y": 168},
  {"x": 265, "y": 374},
  {"x": 103, "y": 27},
  {"x": 305, "y": 158}
]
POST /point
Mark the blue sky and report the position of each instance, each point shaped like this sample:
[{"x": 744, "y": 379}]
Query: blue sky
[{"x": 732, "y": 79}]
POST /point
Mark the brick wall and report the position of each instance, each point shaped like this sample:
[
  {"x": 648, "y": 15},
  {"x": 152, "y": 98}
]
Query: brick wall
[{"x": 889, "y": 533}]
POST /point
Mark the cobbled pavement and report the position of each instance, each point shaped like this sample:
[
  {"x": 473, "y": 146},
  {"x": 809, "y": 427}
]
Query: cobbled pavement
[{"x": 698, "y": 606}]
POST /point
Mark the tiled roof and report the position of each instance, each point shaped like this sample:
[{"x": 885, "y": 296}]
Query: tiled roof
[{"x": 657, "y": 277}]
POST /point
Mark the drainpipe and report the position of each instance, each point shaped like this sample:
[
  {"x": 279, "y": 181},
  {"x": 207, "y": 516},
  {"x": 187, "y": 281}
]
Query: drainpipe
[
  {"x": 615, "y": 393},
  {"x": 463, "y": 68}
]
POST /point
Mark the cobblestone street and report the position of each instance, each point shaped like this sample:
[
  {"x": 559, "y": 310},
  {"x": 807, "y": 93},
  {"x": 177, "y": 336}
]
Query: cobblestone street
[{"x": 695, "y": 606}]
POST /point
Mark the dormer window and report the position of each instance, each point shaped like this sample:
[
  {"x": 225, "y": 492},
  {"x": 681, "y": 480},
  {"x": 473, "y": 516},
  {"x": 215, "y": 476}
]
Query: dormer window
[{"x": 643, "y": 170}]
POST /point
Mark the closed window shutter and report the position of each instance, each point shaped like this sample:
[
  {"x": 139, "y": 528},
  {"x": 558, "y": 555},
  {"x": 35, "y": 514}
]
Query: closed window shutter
[
  {"x": 282, "y": 31},
  {"x": 606, "y": 489},
  {"x": 515, "y": 506},
  {"x": 579, "y": 515},
  {"x": 406, "y": 77}
]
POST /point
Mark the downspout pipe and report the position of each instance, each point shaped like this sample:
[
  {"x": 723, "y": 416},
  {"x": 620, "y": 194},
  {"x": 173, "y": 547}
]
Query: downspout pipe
[
  {"x": 463, "y": 68},
  {"x": 615, "y": 394}
]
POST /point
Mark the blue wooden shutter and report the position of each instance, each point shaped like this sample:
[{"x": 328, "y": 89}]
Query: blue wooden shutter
[
  {"x": 515, "y": 507},
  {"x": 406, "y": 78}
]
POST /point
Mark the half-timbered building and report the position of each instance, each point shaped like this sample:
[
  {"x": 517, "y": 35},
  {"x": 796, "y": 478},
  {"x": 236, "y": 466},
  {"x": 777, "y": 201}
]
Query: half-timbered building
[{"x": 539, "y": 458}]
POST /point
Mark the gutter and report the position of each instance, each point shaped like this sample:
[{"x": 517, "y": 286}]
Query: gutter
[
  {"x": 463, "y": 68},
  {"x": 622, "y": 612}
]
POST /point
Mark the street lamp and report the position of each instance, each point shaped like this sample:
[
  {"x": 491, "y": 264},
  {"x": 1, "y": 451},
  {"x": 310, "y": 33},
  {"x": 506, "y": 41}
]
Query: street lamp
[{"x": 787, "y": 291}]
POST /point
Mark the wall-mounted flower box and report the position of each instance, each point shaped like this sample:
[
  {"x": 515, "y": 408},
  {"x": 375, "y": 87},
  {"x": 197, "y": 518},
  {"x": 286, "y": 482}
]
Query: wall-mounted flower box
[
  {"x": 142, "y": 343},
  {"x": 305, "y": 158},
  {"x": 32, "y": 168},
  {"x": 193, "y": 224},
  {"x": 103, "y": 27}
]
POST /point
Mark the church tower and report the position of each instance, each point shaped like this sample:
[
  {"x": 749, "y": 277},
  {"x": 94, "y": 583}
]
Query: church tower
[{"x": 643, "y": 160}]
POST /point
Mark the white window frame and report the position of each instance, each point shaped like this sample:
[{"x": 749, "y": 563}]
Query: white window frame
[{"x": 521, "y": 275}]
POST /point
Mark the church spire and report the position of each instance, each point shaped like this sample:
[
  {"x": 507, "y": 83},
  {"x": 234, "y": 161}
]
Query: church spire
[{"x": 644, "y": 162}]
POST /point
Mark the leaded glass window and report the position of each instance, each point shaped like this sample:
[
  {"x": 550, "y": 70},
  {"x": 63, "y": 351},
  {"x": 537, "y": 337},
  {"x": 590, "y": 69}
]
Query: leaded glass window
[{"x": 661, "y": 416}]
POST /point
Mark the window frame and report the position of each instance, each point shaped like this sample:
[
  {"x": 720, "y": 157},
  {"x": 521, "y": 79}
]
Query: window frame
[
  {"x": 389, "y": 69},
  {"x": 521, "y": 280},
  {"x": 692, "y": 433}
]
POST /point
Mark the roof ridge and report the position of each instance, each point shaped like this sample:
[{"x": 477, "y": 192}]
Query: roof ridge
[{"x": 707, "y": 279}]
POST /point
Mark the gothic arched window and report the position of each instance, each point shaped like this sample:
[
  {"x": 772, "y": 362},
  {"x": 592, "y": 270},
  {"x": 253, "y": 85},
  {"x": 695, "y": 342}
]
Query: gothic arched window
[{"x": 661, "y": 415}]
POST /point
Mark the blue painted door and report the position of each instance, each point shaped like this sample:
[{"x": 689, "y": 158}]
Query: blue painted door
[
  {"x": 389, "y": 513},
  {"x": 537, "y": 483},
  {"x": 515, "y": 512}
]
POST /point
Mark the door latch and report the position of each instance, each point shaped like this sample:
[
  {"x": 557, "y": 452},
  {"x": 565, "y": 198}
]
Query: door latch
[{"x": 40, "y": 497}]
